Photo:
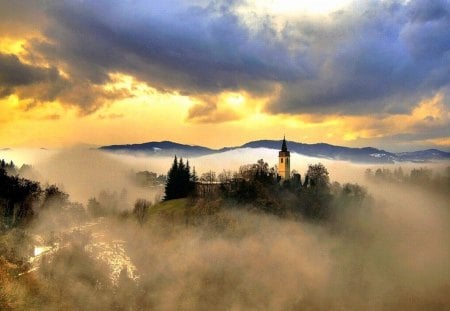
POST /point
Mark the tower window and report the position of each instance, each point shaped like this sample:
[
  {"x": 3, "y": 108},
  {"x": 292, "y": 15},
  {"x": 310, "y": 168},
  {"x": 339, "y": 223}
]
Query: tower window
[{"x": 281, "y": 160}]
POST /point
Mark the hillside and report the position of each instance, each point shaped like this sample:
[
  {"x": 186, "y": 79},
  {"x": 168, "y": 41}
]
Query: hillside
[
  {"x": 162, "y": 148},
  {"x": 172, "y": 207},
  {"x": 319, "y": 150}
]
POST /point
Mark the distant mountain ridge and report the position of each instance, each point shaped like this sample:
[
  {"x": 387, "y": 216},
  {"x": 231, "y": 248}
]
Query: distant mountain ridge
[
  {"x": 320, "y": 150},
  {"x": 161, "y": 148}
]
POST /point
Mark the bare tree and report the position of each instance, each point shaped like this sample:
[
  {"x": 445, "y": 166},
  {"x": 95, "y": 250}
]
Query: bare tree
[
  {"x": 208, "y": 177},
  {"x": 225, "y": 176},
  {"x": 141, "y": 208}
]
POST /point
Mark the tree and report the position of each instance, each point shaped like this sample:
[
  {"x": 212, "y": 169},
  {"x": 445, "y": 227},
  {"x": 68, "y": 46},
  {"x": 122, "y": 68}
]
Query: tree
[
  {"x": 140, "y": 210},
  {"x": 420, "y": 176},
  {"x": 17, "y": 196},
  {"x": 318, "y": 176},
  {"x": 180, "y": 182},
  {"x": 94, "y": 208},
  {"x": 54, "y": 197},
  {"x": 194, "y": 177},
  {"x": 225, "y": 176},
  {"x": 259, "y": 171},
  {"x": 316, "y": 195},
  {"x": 263, "y": 173},
  {"x": 171, "y": 186},
  {"x": 354, "y": 194},
  {"x": 398, "y": 173},
  {"x": 368, "y": 174},
  {"x": 185, "y": 180},
  {"x": 208, "y": 177}
]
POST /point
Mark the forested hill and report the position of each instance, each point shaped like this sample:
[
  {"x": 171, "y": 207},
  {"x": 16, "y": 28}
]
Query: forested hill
[
  {"x": 161, "y": 148},
  {"x": 320, "y": 150}
]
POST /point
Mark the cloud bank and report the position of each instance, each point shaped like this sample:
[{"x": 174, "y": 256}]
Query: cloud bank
[{"x": 368, "y": 57}]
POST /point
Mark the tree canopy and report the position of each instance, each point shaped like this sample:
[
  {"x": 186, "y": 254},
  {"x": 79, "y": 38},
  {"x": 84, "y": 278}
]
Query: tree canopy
[{"x": 20, "y": 198}]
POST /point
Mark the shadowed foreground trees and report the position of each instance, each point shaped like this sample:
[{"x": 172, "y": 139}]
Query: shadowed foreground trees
[
  {"x": 17, "y": 196},
  {"x": 21, "y": 199}
]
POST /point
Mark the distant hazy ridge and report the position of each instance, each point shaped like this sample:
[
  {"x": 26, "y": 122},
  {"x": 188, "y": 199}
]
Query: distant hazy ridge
[{"x": 320, "y": 150}]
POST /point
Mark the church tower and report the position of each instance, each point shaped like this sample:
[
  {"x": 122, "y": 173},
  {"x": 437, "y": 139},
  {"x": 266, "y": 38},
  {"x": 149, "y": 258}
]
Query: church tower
[{"x": 284, "y": 165}]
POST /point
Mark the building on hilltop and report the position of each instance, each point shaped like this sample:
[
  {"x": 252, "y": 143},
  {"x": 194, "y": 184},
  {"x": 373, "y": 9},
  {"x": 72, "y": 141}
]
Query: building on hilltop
[
  {"x": 284, "y": 162},
  {"x": 250, "y": 179}
]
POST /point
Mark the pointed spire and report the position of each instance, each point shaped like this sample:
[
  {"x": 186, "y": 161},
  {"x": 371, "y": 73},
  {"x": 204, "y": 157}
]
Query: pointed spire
[{"x": 284, "y": 146}]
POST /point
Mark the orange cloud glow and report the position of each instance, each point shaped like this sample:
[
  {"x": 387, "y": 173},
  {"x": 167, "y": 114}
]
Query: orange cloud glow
[{"x": 232, "y": 118}]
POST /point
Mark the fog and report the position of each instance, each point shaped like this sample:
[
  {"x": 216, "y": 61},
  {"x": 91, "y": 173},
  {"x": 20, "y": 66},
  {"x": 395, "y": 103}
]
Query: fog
[
  {"x": 84, "y": 172},
  {"x": 392, "y": 255}
]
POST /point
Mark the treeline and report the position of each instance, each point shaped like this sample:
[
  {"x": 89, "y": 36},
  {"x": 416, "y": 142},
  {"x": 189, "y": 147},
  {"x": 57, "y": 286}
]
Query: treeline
[
  {"x": 257, "y": 186},
  {"x": 148, "y": 179},
  {"x": 315, "y": 197},
  {"x": 433, "y": 180},
  {"x": 115, "y": 204},
  {"x": 22, "y": 199},
  {"x": 107, "y": 203}
]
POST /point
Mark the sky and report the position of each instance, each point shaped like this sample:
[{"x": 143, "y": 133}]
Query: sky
[{"x": 222, "y": 73}]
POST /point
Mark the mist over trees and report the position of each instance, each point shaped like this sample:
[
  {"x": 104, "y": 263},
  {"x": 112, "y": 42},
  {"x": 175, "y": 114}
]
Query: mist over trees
[
  {"x": 331, "y": 245},
  {"x": 140, "y": 210},
  {"x": 147, "y": 179},
  {"x": 107, "y": 203},
  {"x": 437, "y": 180}
]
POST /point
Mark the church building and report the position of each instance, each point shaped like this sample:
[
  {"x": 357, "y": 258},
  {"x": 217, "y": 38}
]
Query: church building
[{"x": 284, "y": 165}]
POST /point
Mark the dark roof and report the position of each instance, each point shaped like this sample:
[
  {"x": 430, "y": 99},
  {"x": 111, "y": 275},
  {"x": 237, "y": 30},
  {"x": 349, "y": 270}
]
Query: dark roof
[{"x": 284, "y": 146}]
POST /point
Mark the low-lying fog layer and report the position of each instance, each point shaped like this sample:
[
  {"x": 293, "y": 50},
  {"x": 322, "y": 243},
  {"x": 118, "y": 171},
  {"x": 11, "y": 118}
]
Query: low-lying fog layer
[
  {"x": 84, "y": 172},
  {"x": 393, "y": 256}
]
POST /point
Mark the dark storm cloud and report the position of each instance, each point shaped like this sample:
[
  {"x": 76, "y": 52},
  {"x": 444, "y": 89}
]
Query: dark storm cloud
[
  {"x": 383, "y": 58},
  {"x": 374, "y": 56},
  {"x": 41, "y": 84},
  {"x": 15, "y": 74},
  {"x": 173, "y": 47}
]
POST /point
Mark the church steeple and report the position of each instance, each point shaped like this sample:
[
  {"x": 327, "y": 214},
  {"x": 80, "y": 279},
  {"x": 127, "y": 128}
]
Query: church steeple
[
  {"x": 284, "y": 146},
  {"x": 284, "y": 165}
]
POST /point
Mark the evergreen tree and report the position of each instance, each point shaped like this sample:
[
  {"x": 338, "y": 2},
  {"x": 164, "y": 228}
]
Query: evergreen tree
[
  {"x": 171, "y": 181},
  {"x": 179, "y": 180},
  {"x": 181, "y": 188}
]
